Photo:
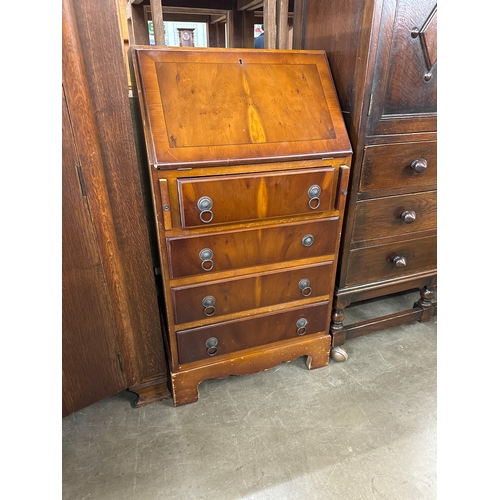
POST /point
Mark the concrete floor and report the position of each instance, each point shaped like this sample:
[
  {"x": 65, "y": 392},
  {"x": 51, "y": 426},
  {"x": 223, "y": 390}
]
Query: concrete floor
[{"x": 362, "y": 429}]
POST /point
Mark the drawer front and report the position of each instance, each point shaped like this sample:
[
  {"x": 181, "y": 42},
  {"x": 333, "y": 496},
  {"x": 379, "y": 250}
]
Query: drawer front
[
  {"x": 412, "y": 165},
  {"x": 395, "y": 215},
  {"x": 378, "y": 263},
  {"x": 234, "y": 198},
  {"x": 216, "y": 299},
  {"x": 231, "y": 250},
  {"x": 204, "y": 343}
]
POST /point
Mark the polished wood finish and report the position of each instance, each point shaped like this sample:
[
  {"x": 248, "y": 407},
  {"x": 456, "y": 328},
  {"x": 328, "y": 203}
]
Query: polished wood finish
[
  {"x": 237, "y": 295},
  {"x": 96, "y": 98},
  {"x": 241, "y": 109},
  {"x": 270, "y": 195},
  {"x": 384, "y": 63},
  {"x": 232, "y": 336},
  {"x": 244, "y": 248},
  {"x": 249, "y": 202}
]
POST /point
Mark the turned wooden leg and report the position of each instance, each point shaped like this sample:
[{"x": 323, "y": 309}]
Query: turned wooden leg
[
  {"x": 338, "y": 334},
  {"x": 425, "y": 302},
  {"x": 337, "y": 320}
]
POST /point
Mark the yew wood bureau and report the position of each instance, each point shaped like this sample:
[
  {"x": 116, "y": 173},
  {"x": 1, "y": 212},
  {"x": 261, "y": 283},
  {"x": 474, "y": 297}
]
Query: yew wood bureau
[{"x": 249, "y": 166}]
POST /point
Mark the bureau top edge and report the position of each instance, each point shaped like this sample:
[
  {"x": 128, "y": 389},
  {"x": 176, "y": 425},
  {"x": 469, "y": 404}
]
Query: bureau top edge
[{"x": 231, "y": 162}]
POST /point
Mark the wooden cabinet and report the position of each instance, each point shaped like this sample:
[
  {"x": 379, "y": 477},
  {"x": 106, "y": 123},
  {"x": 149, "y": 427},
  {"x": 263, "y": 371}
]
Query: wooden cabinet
[
  {"x": 384, "y": 63},
  {"x": 111, "y": 332},
  {"x": 249, "y": 165}
]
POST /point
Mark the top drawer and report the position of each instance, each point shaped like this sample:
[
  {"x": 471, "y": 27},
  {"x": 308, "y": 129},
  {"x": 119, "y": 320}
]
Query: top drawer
[
  {"x": 245, "y": 197},
  {"x": 410, "y": 166}
]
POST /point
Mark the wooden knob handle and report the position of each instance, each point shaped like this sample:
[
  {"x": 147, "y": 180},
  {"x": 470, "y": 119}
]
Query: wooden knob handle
[
  {"x": 419, "y": 165},
  {"x": 408, "y": 216},
  {"x": 399, "y": 261}
]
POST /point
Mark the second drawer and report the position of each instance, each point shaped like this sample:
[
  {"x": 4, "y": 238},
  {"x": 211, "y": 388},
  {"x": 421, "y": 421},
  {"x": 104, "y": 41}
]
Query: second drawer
[
  {"x": 218, "y": 298},
  {"x": 232, "y": 250}
]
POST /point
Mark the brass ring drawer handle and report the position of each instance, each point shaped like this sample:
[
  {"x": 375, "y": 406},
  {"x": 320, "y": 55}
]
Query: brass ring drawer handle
[
  {"x": 211, "y": 345},
  {"x": 409, "y": 216},
  {"x": 205, "y": 205},
  {"x": 399, "y": 261},
  {"x": 206, "y": 255},
  {"x": 209, "y": 305},
  {"x": 301, "y": 326},
  {"x": 305, "y": 287},
  {"x": 308, "y": 240},
  {"x": 419, "y": 165},
  {"x": 313, "y": 193}
]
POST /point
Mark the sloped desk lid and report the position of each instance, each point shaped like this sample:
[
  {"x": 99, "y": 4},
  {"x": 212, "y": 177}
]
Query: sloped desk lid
[{"x": 227, "y": 106}]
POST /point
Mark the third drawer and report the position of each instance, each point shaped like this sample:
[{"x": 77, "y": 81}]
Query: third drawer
[
  {"x": 219, "y": 298},
  {"x": 391, "y": 261}
]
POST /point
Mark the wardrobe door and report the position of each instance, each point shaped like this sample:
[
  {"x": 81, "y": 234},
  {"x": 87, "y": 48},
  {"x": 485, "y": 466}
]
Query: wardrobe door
[{"x": 90, "y": 354}]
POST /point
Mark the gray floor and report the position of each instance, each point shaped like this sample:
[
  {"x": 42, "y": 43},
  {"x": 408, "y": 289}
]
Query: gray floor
[{"x": 362, "y": 429}]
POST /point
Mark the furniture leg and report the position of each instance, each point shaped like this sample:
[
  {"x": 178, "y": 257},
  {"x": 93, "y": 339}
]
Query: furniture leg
[
  {"x": 150, "y": 391},
  {"x": 338, "y": 332},
  {"x": 425, "y": 302}
]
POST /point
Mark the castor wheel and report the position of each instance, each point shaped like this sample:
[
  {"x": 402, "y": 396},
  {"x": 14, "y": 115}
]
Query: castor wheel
[{"x": 338, "y": 354}]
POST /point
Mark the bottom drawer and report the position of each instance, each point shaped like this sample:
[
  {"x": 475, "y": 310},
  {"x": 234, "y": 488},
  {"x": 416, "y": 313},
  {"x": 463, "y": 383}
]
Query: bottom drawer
[
  {"x": 390, "y": 261},
  {"x": 222, "y": 338}
]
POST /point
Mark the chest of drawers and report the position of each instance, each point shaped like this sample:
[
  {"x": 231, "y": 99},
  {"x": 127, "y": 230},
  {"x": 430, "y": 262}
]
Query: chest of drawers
[
  {"x": 249, "y": 167},
  {"x": 384, "y": 60}
]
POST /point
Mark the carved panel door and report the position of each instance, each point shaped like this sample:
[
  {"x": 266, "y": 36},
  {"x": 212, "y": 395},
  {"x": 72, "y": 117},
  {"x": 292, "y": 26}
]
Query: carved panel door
[{"x": 404, "y": 91}]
